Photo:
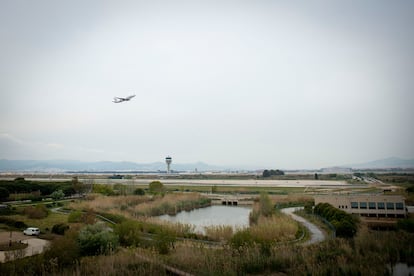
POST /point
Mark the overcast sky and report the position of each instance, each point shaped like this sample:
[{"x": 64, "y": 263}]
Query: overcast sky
[{"x": 278, "y": 84}]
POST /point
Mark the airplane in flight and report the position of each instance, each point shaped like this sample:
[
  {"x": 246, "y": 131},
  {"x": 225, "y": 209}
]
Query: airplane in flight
[{"x": 120, "y": 100}]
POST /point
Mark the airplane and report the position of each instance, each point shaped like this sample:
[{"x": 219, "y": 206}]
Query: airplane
[{"x": 120, "y": 100}]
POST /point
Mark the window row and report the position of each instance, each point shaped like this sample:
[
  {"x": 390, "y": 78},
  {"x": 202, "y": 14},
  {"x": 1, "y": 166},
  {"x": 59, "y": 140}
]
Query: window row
[{"x": 378, "y": 205}]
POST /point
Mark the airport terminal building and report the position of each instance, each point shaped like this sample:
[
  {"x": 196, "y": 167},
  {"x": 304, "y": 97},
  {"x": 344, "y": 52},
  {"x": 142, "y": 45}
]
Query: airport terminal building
[{"x": 391, "y": 206}]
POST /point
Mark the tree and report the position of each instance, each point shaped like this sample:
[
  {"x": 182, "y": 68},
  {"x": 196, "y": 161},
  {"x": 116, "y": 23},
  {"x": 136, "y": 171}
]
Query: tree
[
  {"x": 4, "y": 193},
  {"x": 139, "y": 191},
  {"x": 156, "y": 187},
  {"x": 344, "y": 223},
  {"x": 410, "y": 189},
  {"x": 56, "y": 195},
  {"x": 266, "y": 173},
  {"x": 76, "y": 185}
]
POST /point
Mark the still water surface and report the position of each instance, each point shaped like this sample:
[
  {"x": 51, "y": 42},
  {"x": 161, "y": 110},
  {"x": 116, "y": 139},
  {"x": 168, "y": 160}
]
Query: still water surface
[{"x": 235, "y": 216}]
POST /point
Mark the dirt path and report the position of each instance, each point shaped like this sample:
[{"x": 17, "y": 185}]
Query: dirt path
[
  {"x": 15, "y": 236},
  {"x": 316, "y": 234},
  {"x": 35, "y": 245}
]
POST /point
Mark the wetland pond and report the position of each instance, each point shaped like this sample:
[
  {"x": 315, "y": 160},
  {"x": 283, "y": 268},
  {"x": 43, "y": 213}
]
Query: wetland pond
[{"x": 215, "y": 215}]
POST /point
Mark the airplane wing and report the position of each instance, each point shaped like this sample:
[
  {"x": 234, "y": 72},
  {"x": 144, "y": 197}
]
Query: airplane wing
[{"x": 120, "y": 100}]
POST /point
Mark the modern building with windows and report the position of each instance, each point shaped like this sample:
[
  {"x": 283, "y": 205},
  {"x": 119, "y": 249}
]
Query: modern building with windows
[{"x": 392, "y": 206}]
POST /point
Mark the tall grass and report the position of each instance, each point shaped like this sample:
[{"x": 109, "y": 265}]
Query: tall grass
[
  {"x": 124, "y": 262},
  {"x": 139, "y": 206},
  {"x": 370, "y": 253},
  {"x": 219, "y": 232},
  {"x": 106, "y": 203},
  {"x": 275, "y": 228},
  {"x": 170, "y": 204},
  {"x": 178, "y": 229}
]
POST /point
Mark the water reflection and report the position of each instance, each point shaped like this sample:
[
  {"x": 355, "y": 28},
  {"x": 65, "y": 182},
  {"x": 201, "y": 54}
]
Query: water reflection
[{"x": 235, "y": 216}]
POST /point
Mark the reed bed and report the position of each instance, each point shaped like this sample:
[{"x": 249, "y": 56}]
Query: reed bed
[
  {"x": 170, "y": 204},
  {"x": 177, "y": 229},
  {"x": 143, "y": 206},
  {"x": 219, "y": 232},
  {"x": 275, "y": 228},
  {"x": 290, "y": 198},
  {"x": 107, "y": 203},
  {"x": 125, "y": 262}
]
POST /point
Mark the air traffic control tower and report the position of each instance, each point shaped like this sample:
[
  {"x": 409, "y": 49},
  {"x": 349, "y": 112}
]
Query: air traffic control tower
[{"x": 168, "y": 160}]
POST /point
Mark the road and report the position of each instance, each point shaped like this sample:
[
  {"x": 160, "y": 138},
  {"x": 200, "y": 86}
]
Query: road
[
  {"x": 211, "y": 182},
  {"x": 316, "y": 233}
]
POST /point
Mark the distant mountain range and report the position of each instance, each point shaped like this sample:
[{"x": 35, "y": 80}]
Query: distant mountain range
[
  {"x": 388, "y": 163},
  {"x": 109, "y": 166},
  {"x": 101, "y": 166}
]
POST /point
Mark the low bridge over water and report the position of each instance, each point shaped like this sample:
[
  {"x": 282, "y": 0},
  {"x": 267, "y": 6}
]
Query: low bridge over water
[{"x": 231, "y": 200}]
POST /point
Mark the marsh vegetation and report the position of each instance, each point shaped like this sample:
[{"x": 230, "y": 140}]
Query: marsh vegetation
[{"x": 138, "y": 244}]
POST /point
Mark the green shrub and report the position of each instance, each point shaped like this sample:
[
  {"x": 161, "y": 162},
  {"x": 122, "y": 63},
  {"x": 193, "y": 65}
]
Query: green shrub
[
  {"x": 139, "y": 191},
  {"x": 103, "y": 189},
  {"x": 97, "y": 239},
  {"x": 75, "y": 216},
  {"x": 156, "y": 187},
  {"x": 410, "y": 189},
  {"x": 60, "y": 228},
  {"x": 164, "y": 241},
  {"x": 265, "y": 205},
  {"x": 4, "y": 193},
  {"x": 344, "y": 223},
  {"x": 6, "y": 210},
  {"x": 39, "y": 211},
  {"x": 406, "y": 224},
  {"x": 242, "y": 239},
  {"x": 64, "y": 251},
  {"x": 13, "y": 223},
  {"x": 129, "y": 233},
  {"x": 56, "y": 195}
]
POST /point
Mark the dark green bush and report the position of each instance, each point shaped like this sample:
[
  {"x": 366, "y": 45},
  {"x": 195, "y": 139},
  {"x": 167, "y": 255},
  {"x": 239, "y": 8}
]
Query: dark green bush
[
  {"x": 5, "y": 210},
  {"x": 406, "y": 224},
  {"x": 60, "y": 228},
  {"x": 139, "y": 191},
  {"x": 13, "y": 223},
  {"x": 345, "y": 224},
  {"x": 4, "y": 193}
]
